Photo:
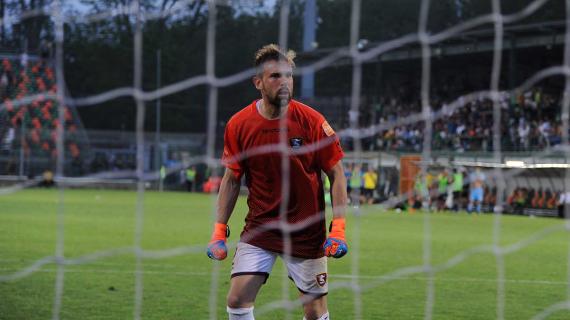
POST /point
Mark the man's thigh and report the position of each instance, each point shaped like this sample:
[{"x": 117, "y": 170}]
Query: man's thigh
[
  {"x": 251, "y": 267},
  {"x": 244, "y": 289},
  {"x": 311, "y": 278},
  {"x": 309, "y": 275},
  {"x": 252, "y": 260}
]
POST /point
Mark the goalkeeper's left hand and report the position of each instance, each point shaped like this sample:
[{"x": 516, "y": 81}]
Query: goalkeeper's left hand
[{"x": 335, "y": 246}]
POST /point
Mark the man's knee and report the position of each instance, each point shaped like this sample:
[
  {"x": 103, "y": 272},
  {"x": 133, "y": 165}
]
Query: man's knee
[
  {"x": 243, "y": 290},
  {"x": 237, "y": 301},
  {"x": 316, "y": 308}
]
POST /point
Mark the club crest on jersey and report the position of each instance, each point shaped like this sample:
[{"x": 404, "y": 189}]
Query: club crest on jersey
[
  {"x": 296, "y": 143},
  {"x": 321, "y": 279},
  {"x": 327, "y": 129}
]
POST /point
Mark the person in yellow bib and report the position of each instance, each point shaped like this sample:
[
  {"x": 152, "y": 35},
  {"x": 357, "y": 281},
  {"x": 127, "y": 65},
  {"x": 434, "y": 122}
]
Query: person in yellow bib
[
  {"x": 457, "y": 190},
  {"x": 327, "y": 187},
  {"x": 370, "y": 181},
  {"x": 190, "y": 178}
]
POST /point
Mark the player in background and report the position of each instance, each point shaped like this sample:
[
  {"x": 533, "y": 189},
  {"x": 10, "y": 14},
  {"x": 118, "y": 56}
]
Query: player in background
[
  {"x": 477, "y": 181},
  {"x": 262, "y": 240},
  {"x": 370, "y": 178},
  {"x": 457, "y": 189}
]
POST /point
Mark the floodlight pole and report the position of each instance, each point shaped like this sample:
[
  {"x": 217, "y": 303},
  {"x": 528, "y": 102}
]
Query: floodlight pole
[
  {"x": 309, "y": 37},
  {"x": 22, "y": 142},
  {"x": 157, "y": 148}
]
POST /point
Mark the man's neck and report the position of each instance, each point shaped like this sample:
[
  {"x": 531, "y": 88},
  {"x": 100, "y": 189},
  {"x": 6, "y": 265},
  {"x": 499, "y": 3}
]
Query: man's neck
[{"x": 270, "y": 111}]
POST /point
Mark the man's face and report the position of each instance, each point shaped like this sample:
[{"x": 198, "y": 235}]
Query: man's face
[{"x": 275, "y": 82}]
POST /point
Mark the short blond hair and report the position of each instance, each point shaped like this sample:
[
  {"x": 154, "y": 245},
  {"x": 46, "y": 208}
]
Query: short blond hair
[{"x": 273, "y": 52}]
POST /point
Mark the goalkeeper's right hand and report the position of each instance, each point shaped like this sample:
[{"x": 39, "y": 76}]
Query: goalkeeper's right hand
[{"x": 217, "y": 249}]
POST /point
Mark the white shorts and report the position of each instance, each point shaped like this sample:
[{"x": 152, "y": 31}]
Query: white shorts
[{"x": 309, "y": 275}]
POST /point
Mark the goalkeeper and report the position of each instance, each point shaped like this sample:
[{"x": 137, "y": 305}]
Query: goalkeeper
[{"x": 262, "y": 240}]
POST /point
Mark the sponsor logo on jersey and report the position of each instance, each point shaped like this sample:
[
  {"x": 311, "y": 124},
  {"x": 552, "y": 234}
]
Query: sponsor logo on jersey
[
  {"x": 321, "y": 279},
  {"x": 327, "y": 129},
  {"x": 274, "y": 130},
  {"x": 296, "y": 143}
]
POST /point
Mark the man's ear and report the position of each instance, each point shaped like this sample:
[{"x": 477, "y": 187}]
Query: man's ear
[{"x": 256, "y": 82}]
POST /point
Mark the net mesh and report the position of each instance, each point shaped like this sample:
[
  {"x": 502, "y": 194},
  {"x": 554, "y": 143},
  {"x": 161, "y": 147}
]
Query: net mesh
[{"x": 48, "y": 90}]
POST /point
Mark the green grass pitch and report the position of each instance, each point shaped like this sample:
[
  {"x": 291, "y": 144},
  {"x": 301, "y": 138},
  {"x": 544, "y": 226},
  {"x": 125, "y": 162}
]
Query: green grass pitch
[{"x": 382, "y": 243}]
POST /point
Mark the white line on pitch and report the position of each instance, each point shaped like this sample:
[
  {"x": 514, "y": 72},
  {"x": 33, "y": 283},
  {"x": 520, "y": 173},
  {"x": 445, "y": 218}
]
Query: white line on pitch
[
  {"x": 332, "y": 276},
  {"x": 95, "y": 271},
  {"x": 521, "y": 281}
]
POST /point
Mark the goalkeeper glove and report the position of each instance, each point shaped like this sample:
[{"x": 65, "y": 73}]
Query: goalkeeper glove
[
  {"x": 335, "y": 246},
  {"x": 217, "y": 249}
]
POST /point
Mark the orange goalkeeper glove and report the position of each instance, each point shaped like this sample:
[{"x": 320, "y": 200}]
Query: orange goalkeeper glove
[
  {"x": 335, "y": 246},
  {"x": 217, "y": 249}
]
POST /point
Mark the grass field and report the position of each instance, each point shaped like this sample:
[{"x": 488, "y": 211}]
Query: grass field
[{"x": 178, "y": 286}]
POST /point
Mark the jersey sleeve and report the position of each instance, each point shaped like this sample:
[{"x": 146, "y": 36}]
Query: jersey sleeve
[
  {"x": 329, "y": 151},
  {"x": 232, "y": 151}
]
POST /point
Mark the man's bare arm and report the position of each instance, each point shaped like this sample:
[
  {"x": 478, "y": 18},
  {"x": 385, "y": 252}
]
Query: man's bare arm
[
  {"x": 227, "y": 197},
  {"x": 338, "y": 190},
  {"x": 335, "y": 246}
]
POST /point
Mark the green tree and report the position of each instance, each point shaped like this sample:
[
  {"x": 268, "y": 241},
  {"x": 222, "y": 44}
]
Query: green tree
[{"x": 32, "y": 28}]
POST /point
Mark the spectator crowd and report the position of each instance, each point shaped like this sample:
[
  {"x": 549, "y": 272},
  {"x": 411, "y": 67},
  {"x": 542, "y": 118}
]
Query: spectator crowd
[{"x": 529, "y": 121}]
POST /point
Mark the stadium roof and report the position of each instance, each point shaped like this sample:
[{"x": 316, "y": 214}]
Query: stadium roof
[{"x": 544, "y": 34}]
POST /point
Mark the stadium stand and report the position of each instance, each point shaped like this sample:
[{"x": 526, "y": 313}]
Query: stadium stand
[
  {"x": 31, "y": 128},
  {"x": 530, "y": 124}
]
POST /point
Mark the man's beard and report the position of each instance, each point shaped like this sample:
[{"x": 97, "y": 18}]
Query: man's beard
[{"x": 280, "y": 101}]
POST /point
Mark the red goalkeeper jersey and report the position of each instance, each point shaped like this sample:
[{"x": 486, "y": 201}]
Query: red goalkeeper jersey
[{"x": 251, "y": 145}]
